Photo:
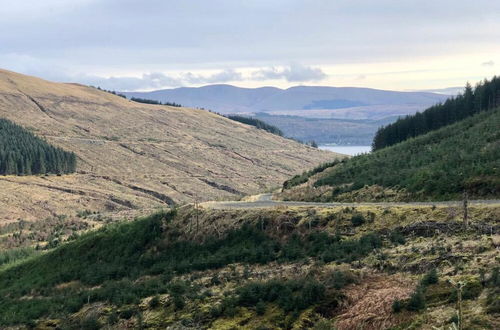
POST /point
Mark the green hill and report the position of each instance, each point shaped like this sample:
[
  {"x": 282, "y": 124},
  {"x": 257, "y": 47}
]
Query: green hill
[
  {"x": 439, "y": 165},
  {"x": 22, "y": 153},
  {"x": 485, "y": 96}
]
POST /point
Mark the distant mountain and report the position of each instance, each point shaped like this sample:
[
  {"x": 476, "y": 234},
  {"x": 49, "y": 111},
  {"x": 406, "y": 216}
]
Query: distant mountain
[
  {"x": 446, "y": 91},
  {"x": 308, "y": 101}
]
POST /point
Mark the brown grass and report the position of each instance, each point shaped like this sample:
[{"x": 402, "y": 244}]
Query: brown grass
[
  {"x": 136, "y": 156},
  {"x": 368, "y": 305}
]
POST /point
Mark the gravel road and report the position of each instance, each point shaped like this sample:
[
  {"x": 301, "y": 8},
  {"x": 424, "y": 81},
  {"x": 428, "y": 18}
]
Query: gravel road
[{"x": 265, "y": 201}]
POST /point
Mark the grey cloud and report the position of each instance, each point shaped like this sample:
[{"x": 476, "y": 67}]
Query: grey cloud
[
  {"x": 293, "y": 73},
  {"x": 154, "y": 80},
  {"x": 488, "y": 63},
  {"x": 219, "y": 77},
  {"x": 160, "y": 36}
]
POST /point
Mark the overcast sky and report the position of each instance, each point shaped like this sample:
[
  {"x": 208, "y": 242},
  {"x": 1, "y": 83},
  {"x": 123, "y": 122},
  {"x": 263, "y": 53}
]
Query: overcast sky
[{"x": 153, "y": 44}]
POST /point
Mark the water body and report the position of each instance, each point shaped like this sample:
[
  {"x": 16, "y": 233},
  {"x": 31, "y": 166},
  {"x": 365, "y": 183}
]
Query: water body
[{"x": 346, "y": 150}]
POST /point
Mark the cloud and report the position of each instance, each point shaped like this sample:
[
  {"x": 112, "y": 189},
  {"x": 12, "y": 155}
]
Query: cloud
[
  {"x": 219, "y": 77},
  {"x": 156, "y": 80},
  {"x": 147, "y": 81},
  {"x": 488, "y": 63},
  {"x": 294, "y": 73}
]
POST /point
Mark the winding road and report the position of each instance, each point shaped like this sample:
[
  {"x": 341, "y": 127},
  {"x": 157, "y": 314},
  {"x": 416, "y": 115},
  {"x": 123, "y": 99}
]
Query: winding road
[{"x": 266, "y": 201}]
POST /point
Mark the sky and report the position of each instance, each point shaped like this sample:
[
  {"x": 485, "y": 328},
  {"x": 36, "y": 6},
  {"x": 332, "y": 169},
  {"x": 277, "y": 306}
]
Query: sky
[{"x": 129, "y": 45}]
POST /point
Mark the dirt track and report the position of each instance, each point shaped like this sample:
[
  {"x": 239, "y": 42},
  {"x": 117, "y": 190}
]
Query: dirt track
[{"x": 265, "y": 201}]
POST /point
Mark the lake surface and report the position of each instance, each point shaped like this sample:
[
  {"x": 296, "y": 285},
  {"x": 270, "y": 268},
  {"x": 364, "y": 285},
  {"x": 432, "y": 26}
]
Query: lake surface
[{"x": 347, "y": 150}]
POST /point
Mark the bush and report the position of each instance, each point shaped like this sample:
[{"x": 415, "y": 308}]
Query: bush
[
  {"x": 397, "y": 306},
  {"x": 179, "y": 302},
  {"x": 324, "y": 325},
  {"x": 154, "y": 302},
  {"x": 358, "y": 220},
  {"x": 494, "y": 279},
  {"x": 341, "y": 279},
  {"x": 260, "y": 308},
  {"x": 397, "y": 237},
  {"x": 471, "y": 290},
  {"x": 416, "y": 301},
  {"x": 90, "y": 323},
  {"x": 288, "y": 294},
  {"x": 430, "y": 278}
]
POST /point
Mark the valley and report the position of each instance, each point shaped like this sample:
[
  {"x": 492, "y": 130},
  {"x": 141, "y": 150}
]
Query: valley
[{"x": 178, "y": 218}]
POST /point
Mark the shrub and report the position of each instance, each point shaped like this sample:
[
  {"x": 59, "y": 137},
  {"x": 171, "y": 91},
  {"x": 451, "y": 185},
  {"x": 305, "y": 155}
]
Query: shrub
[
  {"x": 397, "y": 306},
  {"x": 358, "y": 220},
  {"x": 430, "y": 278},
  {"x": 154, "y": 302},
  {"x": 90, "y": 323},
  {"x": 179, "y": 302},
  {"x": 324, "y": 325},
  {"x": 397, "y": 237},
  {"x": 288, "y": 294},
  {"x": 471, "y": 290},
  {"x": 341, "y": 279},
  {"x": 416, "y": 301},
  {"x": 260, "y": 308}
]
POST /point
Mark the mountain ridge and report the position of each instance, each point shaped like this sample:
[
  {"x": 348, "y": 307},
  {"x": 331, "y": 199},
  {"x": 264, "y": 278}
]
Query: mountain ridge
[{"x": 228, "y": 98}]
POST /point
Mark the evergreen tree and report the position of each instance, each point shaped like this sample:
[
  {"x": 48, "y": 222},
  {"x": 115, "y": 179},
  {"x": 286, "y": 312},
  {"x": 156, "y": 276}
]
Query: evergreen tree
[
  {"x": 22, "y": 153},
  {"x": 485, "y": 96}
]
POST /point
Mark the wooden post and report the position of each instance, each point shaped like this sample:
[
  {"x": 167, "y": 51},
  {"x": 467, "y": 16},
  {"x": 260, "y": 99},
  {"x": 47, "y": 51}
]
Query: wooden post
[
  {"x": 459, "y": 286},
  {"x": 460, "y": 320},
  {"x": 466, "y": 219},
  {"x": 197, "y": 215}
]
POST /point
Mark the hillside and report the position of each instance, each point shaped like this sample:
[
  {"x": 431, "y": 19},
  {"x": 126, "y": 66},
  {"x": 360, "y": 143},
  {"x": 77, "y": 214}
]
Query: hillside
[
  {"x": 133, "y": 156},
  {"x": 485, "y": 96},
  {"x": 231, "y": 99},
  {"x": 306, "y": 113},
  {"x": 439, "y": 165},
  {"x": 342, "y": 267}
]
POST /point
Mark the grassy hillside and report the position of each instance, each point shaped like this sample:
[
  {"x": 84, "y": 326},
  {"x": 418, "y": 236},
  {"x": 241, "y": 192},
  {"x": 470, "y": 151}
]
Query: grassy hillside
[
  {"x": 22, "y": 153},
  {"x": 485, "y": 96},
  {"x": 135, "y": 156},
  {"x": 440, "y": 165},
  {"x": 277, "y": 269}
]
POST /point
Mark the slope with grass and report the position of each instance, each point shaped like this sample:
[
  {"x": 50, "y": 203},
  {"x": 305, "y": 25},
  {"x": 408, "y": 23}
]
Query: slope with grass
[
  {"x": 440, "y": 165},
  {"x": 485, "y": 96},
  {"x": 134, "y": 156},
  {"x": 273, "y": 268}
]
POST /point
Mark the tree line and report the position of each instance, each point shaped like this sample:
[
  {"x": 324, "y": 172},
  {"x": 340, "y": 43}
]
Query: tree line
[
  {"x": 22, "y": 153},
  {"x": 257, "y": 123},
  {"x": 485, "y": 96},
  {"x": 149, "y": 101}
]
